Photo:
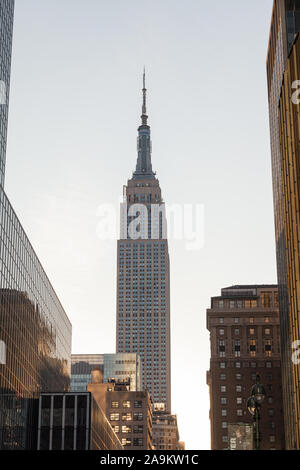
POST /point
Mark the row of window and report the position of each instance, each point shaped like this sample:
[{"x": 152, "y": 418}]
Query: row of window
[
  {"x": 126, "y": 416},
  {"x": 127, "y": 404},
  {"x": 125, "y": 429},
  {"x": 251, "y": 331},
  {"x": 265, "y": 301}
]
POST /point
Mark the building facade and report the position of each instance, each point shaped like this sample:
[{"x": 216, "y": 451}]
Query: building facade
[
  {"x": 130, "y": 413},
  {"x": 73, "y": 421},
  {"x": 35, "y": 332},
  {"x": 289, "y": 127},
  {"x": 143, "y": 274},
  {"x": 81, "y": 370},
  {"x": 6, "y": 34},
  {"x": 245, "y": 341},
  {"x": 121, "y": 367},
  {"x": 165, "y": 431},
  {"x": 285, "y": 25}
]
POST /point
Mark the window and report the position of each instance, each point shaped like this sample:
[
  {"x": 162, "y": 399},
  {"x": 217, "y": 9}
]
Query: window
[
  {"x": 221, "y": 331},
  {"x": 250, "y": 303},
  {"x": 236, "y": 331},
  {"x": 225, "y": 438},
  {"x": 238, "y": 388},
  {"x": 221, "y": 321},
  {"x": 271, "y": 412},
  {"x": 251, "y": 331},
  {"x": 221, "y": 303},
  {"x": 239, "y": 401},
  {"x": 116, "y": 428},
  {"x": 222, "y": 365},
  {"x": 238, "y": 376},
  {"x": 236, "y": 320},
  {"x": 223, "y": 401},
  {"x": 266, "y": 299},
  {"x": 138, "y": 429},
  {"x": 223, "y": 388},
  {"x": 126, "y": 441},
  {"x": 138, "y": 442},
  {"x": 138, "y": 416},
  {"x": 126, "y": 416},
  {"x": 138, "y": 404},
  {"x": 251, "y": 320},
  {"x": 114, "y": 416},
  {"x": 272, "y": 438},
  {"x": 224, "y": 425},
  {"x": 267, "y": 331},
  {"x": 222, "y": 376},
  {"x": 224, "y": 412},
  {"x": 268, "y": 348},
  {"x": 126, "y": 404},
  {"x": 126, "y": 429},
  {"x": 267, "y": 319},
  {"x": 231, "y": 304},
  {"x": 115, "y": 404},
  {"x": 238, "y": 365},
  {"x": 237, "y": 348},
  {"x": 252, "y": 347},
  {"x": 239, "y": 412}
]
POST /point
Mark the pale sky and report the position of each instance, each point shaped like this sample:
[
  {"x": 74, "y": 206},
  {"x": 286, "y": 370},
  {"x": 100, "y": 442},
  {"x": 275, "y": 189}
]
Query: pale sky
[{"x": 74, "y": 112}]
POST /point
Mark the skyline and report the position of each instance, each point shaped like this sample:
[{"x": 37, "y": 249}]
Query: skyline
[{"x": 46, "y": 227}]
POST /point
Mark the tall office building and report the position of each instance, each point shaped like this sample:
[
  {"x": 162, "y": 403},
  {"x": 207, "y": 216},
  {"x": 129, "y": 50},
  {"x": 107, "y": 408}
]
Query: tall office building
[
  {"x": 143, "y": 283},
  {"x": 6, "y": 33},
  {"x": 35, "y": 332},
  {"x": 285, "y": 25},
  {"x": 244, "y": 336},
  {"x": 117, "y": 367}
]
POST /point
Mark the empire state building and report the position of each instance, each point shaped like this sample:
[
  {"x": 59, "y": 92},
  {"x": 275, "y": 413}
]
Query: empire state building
[{"x": 143, "y": 284}]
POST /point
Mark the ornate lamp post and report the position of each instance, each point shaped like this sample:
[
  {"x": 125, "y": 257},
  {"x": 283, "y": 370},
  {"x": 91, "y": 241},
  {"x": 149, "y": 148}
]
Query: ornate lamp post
[{"x": 254, "y": 404}]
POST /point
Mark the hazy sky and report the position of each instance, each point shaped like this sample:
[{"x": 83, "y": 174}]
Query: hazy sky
[{"x": 74, "y": 112}]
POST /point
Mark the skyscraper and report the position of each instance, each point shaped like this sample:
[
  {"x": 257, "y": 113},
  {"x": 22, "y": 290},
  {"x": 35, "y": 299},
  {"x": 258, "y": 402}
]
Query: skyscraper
[
  {"x": 244, "y": 337},
  {"x": 6, "y": 33},
  {"x": 285, "y": 25},
  {"x": 143, "y": 284},
  {"x": 35, "y": 332}
]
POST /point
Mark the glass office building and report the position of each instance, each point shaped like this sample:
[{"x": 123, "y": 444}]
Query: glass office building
[
  {"x": 74, "y": 421},
  {"x": 35, "y": 332},
  {"x": 285, "y": 25},
  {"x": 34, "y": 328},
  {"x": 6, "y": 33},
  {"x": 81, "y": 369},
  {"x": 123, "y": 367},
  {"x": 116, "y": 367}
]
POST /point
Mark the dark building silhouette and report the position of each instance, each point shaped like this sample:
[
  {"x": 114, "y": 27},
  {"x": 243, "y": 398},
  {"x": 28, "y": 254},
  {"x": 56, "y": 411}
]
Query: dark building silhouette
[
  {"x": 244, "y": 336},
  {"x": 73, "y": 421}
]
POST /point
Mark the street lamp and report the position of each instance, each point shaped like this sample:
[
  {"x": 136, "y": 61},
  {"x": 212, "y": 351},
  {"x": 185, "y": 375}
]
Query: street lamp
[{"x": 253, "y": 404}]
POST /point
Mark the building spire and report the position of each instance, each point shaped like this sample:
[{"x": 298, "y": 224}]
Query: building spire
[
  {"x": 144, "y": 116},
  {"x": 144, "y": 148}
]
